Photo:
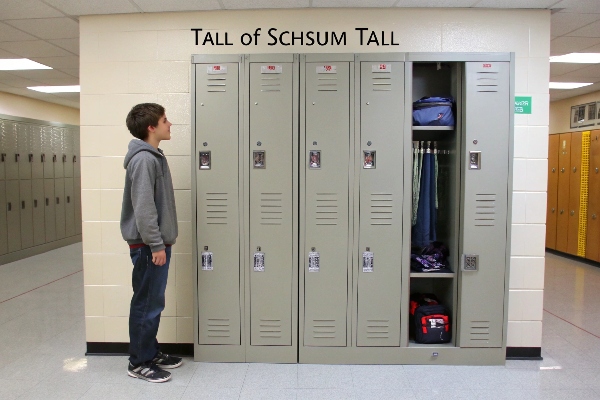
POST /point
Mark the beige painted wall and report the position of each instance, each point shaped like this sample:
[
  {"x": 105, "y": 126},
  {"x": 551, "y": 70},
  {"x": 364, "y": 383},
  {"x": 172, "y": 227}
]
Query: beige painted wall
[
  {"x": 127, "y": 59},
  {"x": 19, "y": 106},
  {"x": 560, "y": 112}
]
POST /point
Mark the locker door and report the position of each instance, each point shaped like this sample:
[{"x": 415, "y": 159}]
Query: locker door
[
  {"x": 77, "y": 197},
  {"x": 13, "y": 215},
  {"x": 481, "y": 291},
  {"x": 552, "y": 203},
  {"x": 10, "y": 148},
  {"x": 26, "y": 213},
  {"x": 59, "y": 204},
  {"x": 326, "y": 192},
  {"x": 562, "y": 218},
  {"x": 271, "y": 201},
  {"x": 37, "y": 198},
  {"x": 37, "y": 167},
  {"x": 67, "y": 157},
  {"x": 3, "y": 222},
  {"x": 3, "y": 154},
  {"x": 47, "y": 152},
  {"x": 69, "y": 208},
  {"x": 592, "y": 251},
  {"x": 380, "y": 206},
  {"x": 218, "y": 226},
  {"x": 574, "y": 170},
  {"x": 58, "y": 138},
  {"x": 76, "y": 154},
  {"x": 49, "y": 210},
  {"x": 24, "y": 150}
]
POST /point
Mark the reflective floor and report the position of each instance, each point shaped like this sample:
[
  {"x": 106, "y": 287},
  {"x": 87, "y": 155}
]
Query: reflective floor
[{"x": 42, "y": 346}]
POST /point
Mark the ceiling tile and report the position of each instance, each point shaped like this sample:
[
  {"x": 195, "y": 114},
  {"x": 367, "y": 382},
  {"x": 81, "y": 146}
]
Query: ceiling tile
[
  {"x": 515, "y": 3},
  {"x": 353, "y": 3},
  {"x": 71, "y": 71},
  {"x": 249, "y": 4},
  {"x": 558, "y": 69},
  {"x": 18, "y": 9},
  {"x": 591, "y": 30},
  {"x": 40, "y": 74},
  {"x": 10, "y": 34},
  {"x": 58, "y": 62},
  {"x": 7, "y": 54},
  {"x": 580, "y": 6},
  {"x": 89, "y": 7},
  {"x": 16, "y": 81},
  {"x": 180, "y": 5},
  {"x": 48, "y": 28},
  {"x": 34, "y": 48},
  {"x": 563, "y": 22},
  {"x": 590, "y": 73},
  {"x": 566, "y": 44},
  {"x": 436, "y": 3},
  {"x": 71, "y": 45},
  {"x": 60, "y": 81},
  {"x": 556, "y": 94}
]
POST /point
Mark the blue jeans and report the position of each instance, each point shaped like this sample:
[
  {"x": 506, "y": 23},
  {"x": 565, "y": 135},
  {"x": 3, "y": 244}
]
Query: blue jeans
[{"x": 149, "y": 283}]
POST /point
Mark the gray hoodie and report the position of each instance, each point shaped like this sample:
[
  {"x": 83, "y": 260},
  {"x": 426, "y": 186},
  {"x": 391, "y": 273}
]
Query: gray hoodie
[{"x": 148, "y": 214}]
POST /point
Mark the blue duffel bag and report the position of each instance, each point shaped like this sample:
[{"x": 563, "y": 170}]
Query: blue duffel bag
[{"x": 433, "y": 111}]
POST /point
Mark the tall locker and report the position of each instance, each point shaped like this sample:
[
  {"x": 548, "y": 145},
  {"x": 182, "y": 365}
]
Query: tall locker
[
  {"x": 272, "y": 83},
  {"x": 552, "y": 203},
  {"x": 49, "y": 210},
  {"x": 379, "y": 162},
  {"x": 77, "y": 179},
  {"x": 9, "y": 147},
  {"x": 58, "y": 143},
  {"x": 38, "y": 205},
  {"x": 562, "y": 218},
  {"x": 3, "y": 221},
  {"x": 24, "y": 155},
  {"x": 59, "y": 208},
  {"x": 592, "y": 251},
  {"x": 69, "y": 208},
  {"x": 36, "y": 140},
  {"x": 574, "y": 170},
  {"x": 68, "y": 152},
  {"x": 217, "y": 172},
  {"x": 13, "y": 215},
  {"x": 26, "y": 213},
  {"x": 3, "y": 154},
  {"x": 326, "y": 148},
  {"x": 47, "y": 152},
  {"x": 77, "y": 207},
  {"x": 485, "y": 203}
]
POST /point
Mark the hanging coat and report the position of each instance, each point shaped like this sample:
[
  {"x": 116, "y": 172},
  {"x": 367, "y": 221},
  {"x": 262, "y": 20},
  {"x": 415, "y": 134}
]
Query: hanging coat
[{"x": 424, "y": 231}]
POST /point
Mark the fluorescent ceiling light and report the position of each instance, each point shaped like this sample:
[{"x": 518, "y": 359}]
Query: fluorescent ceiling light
[
  {"x": 14, "y": 64},
  {"x": 567, "y": 85},
  {"x": 581, "y": 58},
  {"x": 56, "y": 89}
]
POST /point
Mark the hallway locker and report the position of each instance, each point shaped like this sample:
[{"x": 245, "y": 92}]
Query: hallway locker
[
  {"x": 26, "y": 213},
  {"x": 562, "y": 218},
  {"x": 552, "y": 200},
  {"x": 592, "y": 251},
  {"x": 574, "y": 172}
]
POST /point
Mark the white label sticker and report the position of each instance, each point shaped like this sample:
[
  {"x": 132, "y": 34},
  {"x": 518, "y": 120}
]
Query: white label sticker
[
  {"x": 313, "y": 261},
  {"x": 207, "y": 261},
  {"x": 271, "y": 69},
  {"x": 217, "y": 69},
  {"x": 367, "y": 261},
  {"x": 327, "y": 69},
  {"x": 259, "y": 262},
  {"x": 381, "y": 68}
]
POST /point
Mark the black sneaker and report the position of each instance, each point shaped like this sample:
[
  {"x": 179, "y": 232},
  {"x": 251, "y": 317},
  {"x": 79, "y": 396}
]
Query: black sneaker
[
  {"x": 166, "y": 361},
  {"x": 149, "y": 372}
]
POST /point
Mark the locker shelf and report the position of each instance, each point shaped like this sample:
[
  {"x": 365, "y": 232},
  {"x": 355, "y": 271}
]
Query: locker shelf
[
  {"x": 412, "y": 343},
  {"x": 432, "y": 275},
  {"x": 433, "y": 128}
]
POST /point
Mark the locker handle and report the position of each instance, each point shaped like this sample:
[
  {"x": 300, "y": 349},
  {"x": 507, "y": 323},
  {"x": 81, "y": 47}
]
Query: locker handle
[
  {"x": 74, "y": 159},
  {"x": 574, "y": 169},
  {"x": 43, "y": 158},
  {"x": 562, "y": 170},
  {"x": 47, "y": 201},
  {"x": 553, "y": 170},
  {"x": 22, "y": 204},
  {"x": 53, "y": 157},
  {"x": 597, "y": 170},
  {"x": 562, "y": 211},
  {"x": 30, "y": 157},
  {"x": 17, "y": 157},
  {"x": 64, "y": 158},
  {"x": 572, "y": 212},
  {"x": 9, "y": 205},
  {"x": 68, "y": 199},
  {"x": 3, "y": 157},
  {"x": 593, "y": 216},
  {"x": 35, "y": 203},
  {"x": 553, "y": 211},
  {"x": 58, "y": 200}
]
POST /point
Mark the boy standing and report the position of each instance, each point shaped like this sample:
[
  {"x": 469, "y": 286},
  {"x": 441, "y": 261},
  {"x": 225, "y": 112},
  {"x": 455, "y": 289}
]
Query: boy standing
[{"x": 149, "y": 225}]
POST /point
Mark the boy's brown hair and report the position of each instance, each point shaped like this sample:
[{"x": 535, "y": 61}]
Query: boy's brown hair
[{"x": 141, "y": 117}]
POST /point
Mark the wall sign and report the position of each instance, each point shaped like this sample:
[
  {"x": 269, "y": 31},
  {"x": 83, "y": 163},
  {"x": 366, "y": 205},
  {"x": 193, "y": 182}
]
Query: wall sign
[{"x": 522, "y": 104}]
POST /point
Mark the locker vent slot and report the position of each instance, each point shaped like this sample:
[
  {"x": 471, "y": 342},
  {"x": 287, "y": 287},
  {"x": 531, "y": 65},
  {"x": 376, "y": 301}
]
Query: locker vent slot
[
  {"x": 327, "y": 209},
  {"x": 330, "y": 86},
  {"x": 270, "y": 328},
  {"x": 480, "y": 331},
  {"x": 218, "y": 327},
  {"x": 324, "y": 329},
  {"x": 378, "y": 328},
  {"x": 216, "y": 208},
  {"x": 485, "y": 210},
  {"x": 271, "y": 86},
  {"x": 271, "y": 208},
  {"x": 487, "y": 82},
  {"x": 216, "y": 85},
  {"x": 382, "y": 208},
  {"x": 382, "y": 84}
]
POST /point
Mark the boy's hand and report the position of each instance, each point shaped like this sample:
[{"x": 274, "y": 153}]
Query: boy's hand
[{"x": 159, "y": 258}]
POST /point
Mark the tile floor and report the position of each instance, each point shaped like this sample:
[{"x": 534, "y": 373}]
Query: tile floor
[{"x": 42, "y": 346}]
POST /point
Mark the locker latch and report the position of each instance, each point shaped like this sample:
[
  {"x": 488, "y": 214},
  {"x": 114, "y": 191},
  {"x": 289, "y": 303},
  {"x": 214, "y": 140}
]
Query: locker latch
[
  {"x": 474, "y": 160},
  {"x": 53, "y": 157},
  {"x": 30, "y": 158},
  {"x": 367, "y": 260},
  {"x": 207, "y": 260},
  {"x": 204, "y": 159},
  {"x": 74, "y": 159},
  {"x": 3, "y": 157},
  {"x": 313, "y": 260},
  {"x": 64, "y": 158},
  {"x": 259, "y": 260},
  {"x": 17, "y": 157},
  {"x": 470, "y": 262},
  {"x": 43, "y": 158}
]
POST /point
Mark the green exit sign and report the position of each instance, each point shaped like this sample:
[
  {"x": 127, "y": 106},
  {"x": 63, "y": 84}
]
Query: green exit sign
[{"x": 523, "y": 105}]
